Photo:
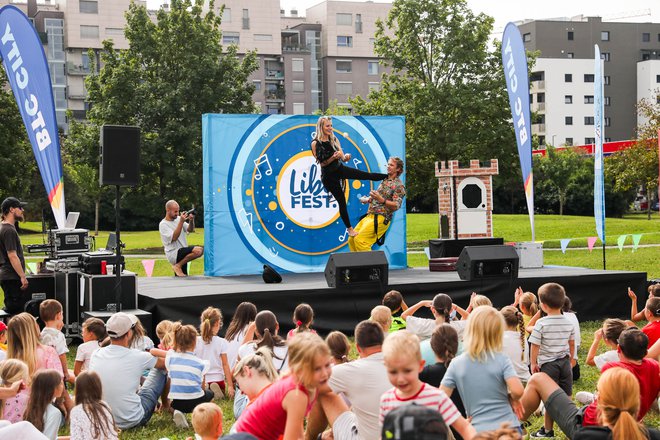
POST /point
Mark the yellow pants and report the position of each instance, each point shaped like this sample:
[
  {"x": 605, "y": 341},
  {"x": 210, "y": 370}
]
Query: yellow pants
[{"x": 366, "y": 236}]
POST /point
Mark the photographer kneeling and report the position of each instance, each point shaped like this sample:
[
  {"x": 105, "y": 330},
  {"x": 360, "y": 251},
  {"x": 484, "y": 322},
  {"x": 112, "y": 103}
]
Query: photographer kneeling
[{"x": 174, "y": 229}]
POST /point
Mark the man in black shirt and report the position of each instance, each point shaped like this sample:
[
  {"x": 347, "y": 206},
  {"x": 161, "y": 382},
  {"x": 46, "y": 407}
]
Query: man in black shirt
[{"x": 12, "y": 263}]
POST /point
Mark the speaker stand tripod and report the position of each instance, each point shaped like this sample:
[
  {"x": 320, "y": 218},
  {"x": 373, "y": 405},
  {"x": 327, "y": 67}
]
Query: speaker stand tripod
[{"x": 120, "y": 245}]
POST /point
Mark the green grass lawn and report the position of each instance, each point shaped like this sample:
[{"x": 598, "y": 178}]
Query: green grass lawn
[{"x": 161, "y": 425}]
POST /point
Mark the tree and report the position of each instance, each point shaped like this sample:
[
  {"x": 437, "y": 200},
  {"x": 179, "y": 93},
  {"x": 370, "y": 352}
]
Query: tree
[
  {"x": 448, "y": 84},
  {"x": 174, "y": 70},
  {"x": 16, "y": 158},
  {"x": 559, "y": 168}
]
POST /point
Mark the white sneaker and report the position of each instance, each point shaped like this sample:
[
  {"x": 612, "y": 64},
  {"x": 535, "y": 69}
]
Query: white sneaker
[
  {"x": 584, "y": 397},
  {"x": 540, "y": 411},
  {"x": 217, "y": 391},
  {"x": 180, "y": 419}
]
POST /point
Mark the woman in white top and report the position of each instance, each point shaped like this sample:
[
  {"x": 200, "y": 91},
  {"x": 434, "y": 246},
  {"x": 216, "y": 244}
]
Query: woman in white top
[
  {"x": 237, "y": 330},
  {"x": 265, "y": 328}
]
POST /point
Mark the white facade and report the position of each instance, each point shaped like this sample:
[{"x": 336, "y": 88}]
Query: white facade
[
  {"x": 648, "y": 83},
  {"x": 566, "y": 103}
]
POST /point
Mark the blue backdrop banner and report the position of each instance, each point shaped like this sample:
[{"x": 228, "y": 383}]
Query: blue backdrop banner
[
  {"x": 263, "y": 197},
  {"x": 27, "y": 69}
]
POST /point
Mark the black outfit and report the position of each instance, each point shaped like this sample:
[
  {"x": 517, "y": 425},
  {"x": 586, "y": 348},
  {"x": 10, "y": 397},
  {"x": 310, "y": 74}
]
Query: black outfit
[
  {"x": 432, "y": 375},
  {"x": 187, "y": 406},
  {"x": 181, "y": 254},
  {"x": 333, "y": 175},
  {"x": 604, "y": 433},
  {"x": 15, "y": 298}
]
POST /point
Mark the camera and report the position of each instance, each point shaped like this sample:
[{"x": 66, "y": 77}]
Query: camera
[{"x": 192, "y": 211}]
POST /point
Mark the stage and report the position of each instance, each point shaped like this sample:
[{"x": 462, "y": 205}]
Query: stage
[{"x": 596, "y": 294}]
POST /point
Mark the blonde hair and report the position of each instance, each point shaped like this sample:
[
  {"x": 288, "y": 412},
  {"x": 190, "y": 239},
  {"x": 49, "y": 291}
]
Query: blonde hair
[
  {"x": 618, "y": 404},
  {"x": 513, "y": 318},
  {"x": 484, "y": 333},
  {"x": 185, "y": 337},
  {"x": 528, "y": 301},
  {"x": 481, "y": 300},
  {"x": 304, "y": 348},
  {"x": 23, "y": 340},
  {"x": 261, "y": 361},
  {"x": 382, "y": 316},
  {"x": 207, "y": 420},
  {"x": 402, "y": 344},
  {"x": 11, "y": 371},
  {"x": 319, "y": 131},
  {"x": 164, "y": 333},
  {"x": 210, "y": 317}
]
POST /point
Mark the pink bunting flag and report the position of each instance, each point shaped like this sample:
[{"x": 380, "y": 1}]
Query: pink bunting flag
[
  {"x": 591, "y": 241},
  {"x": 149, "y": 266}
]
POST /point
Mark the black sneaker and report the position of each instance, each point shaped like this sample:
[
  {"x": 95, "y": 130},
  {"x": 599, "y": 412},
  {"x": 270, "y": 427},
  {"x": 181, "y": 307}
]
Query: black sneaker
[{"x": 542, "y": 433}]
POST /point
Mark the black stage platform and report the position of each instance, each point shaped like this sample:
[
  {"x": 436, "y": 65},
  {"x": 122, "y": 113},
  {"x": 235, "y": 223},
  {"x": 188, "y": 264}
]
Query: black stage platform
[{"x": 596, "y": 294}]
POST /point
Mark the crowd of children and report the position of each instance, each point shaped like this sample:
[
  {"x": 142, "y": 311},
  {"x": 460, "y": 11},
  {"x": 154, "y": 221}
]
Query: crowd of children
[{"x": 475, "y": 373}]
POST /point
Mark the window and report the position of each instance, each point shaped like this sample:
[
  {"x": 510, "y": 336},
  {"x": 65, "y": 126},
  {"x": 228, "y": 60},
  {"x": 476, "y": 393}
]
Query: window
[
  {"x": 246, "y": 19},
  {"x": 588, "y": 141},
  {"x": 607, "y": 139},
  {"x": 607, "y": 101},
  {"x": 541, "y": 140},
  {"x": 568, "y": 77},
  {"x": 588, "y": 120},
  {"x": 226, "y": 15},
  {"x": 374, "y": 86},
  {"x": 344, "y": 41},
  {"x": 344, "y": 19},
  {"x": 568, "y": 99},
  {"x": 263, "y": 37},
  {"x": 646, "y": 37},
  {"x": 605, "y": 56},
  {"x": 568, "y": 120},
  {"x": 298, "y": 108},
  {"x": 607, "y": 121},
  {"x": 344, "y": 66},
  {"x": 537, "y": 76},
  {"x": 344, "y": 88},
  {"x": 588, "y": 78},
  {"x": 298, "y": 87},
  {"x": 257, "y": 84},
  {"x": 606, "y": 80},
  {"x": 231, "y": 38},
  {"x": 570, "y": 55},
  {"x": 568, "y": 141},
  {"x": 657, "y": 78},
  {"x": 540, "y": 97},
  {"x": 570, "y": 35},
  {"x": 372, "y": 68},
  {"x": 527, "y": 37},
  {"x": 358, "y": 23},
  {"x": 89, "y": 31},
  {"x": 297, "y": 65},
  {"x": 531, "y": 98},
  {"x": 605, "y": 36},
  {"x": 658, "y": 38},
  {"x": 646, "y": 56},
  {"x": 588, "y": 99},
  {"x": 89, "y": 6},
  {"x": 114, "y": 32},
  {"x": 85, "y": 61}
]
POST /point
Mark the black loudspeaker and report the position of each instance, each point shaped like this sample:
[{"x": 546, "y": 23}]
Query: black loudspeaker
[
  {"x": 477, "y": 262},
  {"x": 119, "y": 155},
  {"x": 270, "y": 275},
  {"x": 353, "y": 268}
]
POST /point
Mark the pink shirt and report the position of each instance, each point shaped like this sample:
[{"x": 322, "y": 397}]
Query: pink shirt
[
  {"x": 15, "y": 406},
  {"x": 265, "y": 418},
  {"x": 427, "y": 396},
  {"x": 294, "y": 331},
  {"x": 47, "y": 358}
]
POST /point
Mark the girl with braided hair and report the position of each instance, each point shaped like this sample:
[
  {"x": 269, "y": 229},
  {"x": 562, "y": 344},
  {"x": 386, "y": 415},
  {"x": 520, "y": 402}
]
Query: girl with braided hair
[{"x": 515, "y": 346}]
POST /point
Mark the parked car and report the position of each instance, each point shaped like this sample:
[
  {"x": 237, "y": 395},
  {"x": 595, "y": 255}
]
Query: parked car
[{"x": 641, "y": 203}]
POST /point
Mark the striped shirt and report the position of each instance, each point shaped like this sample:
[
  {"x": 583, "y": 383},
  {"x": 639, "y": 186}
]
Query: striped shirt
[
  {"x": 427, "y": 396},
  {"x": 552, "y": 333},
  {"x": 186, "y": 372}
]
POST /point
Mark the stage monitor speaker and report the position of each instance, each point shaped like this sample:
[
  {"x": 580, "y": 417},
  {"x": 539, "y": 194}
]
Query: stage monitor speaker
[
  {"x": 478, "y": 262},
  {"x": 119, "y": 155},
  {"x": 355, "y": 268}
]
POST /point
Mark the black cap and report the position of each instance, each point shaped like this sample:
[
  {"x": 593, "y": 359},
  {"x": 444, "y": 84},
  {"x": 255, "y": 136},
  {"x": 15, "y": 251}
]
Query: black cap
[
  {"x": 414, "y": 422},
  {"x": 11, "y": 202}
]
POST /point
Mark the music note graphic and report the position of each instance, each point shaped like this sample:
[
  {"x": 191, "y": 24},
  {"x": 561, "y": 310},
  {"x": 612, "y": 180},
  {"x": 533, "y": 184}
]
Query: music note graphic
[
  {"x": 356, "y": 162},
  {"x": 245, "y": 219},
  {"x": 342, "y": 238},
  {"x": 260, "y": 161}
]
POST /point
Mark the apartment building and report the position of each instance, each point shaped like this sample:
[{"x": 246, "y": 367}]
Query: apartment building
[
  {"x": 305, "y": 62},
  {"x": 562, "y": 81}
]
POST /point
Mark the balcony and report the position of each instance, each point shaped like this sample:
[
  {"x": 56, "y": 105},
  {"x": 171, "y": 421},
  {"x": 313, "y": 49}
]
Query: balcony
[
  {"x": 274, "y": 74},
  {"x": 275, "y": 95},
  {"x": 294, "y": 48},
  {"x": 77, "y": 95},
  {"x": 540, "y": 106},
  {"x": 76, "y": 69},
  {"x": 540, "y": 85},
  {"x": 538, "y": 128}
]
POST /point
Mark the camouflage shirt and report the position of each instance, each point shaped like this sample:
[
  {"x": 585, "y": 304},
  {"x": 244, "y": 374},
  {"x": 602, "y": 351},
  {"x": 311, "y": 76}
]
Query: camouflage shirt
[{"x": 392, "y": 190}]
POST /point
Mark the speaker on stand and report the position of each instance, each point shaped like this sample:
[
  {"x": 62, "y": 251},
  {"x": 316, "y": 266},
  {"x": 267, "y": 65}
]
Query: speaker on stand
[{"x": 119, "y": 166}]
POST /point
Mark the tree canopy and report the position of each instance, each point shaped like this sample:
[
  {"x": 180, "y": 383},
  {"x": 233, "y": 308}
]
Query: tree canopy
[{"x": 173, "y": 72}]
